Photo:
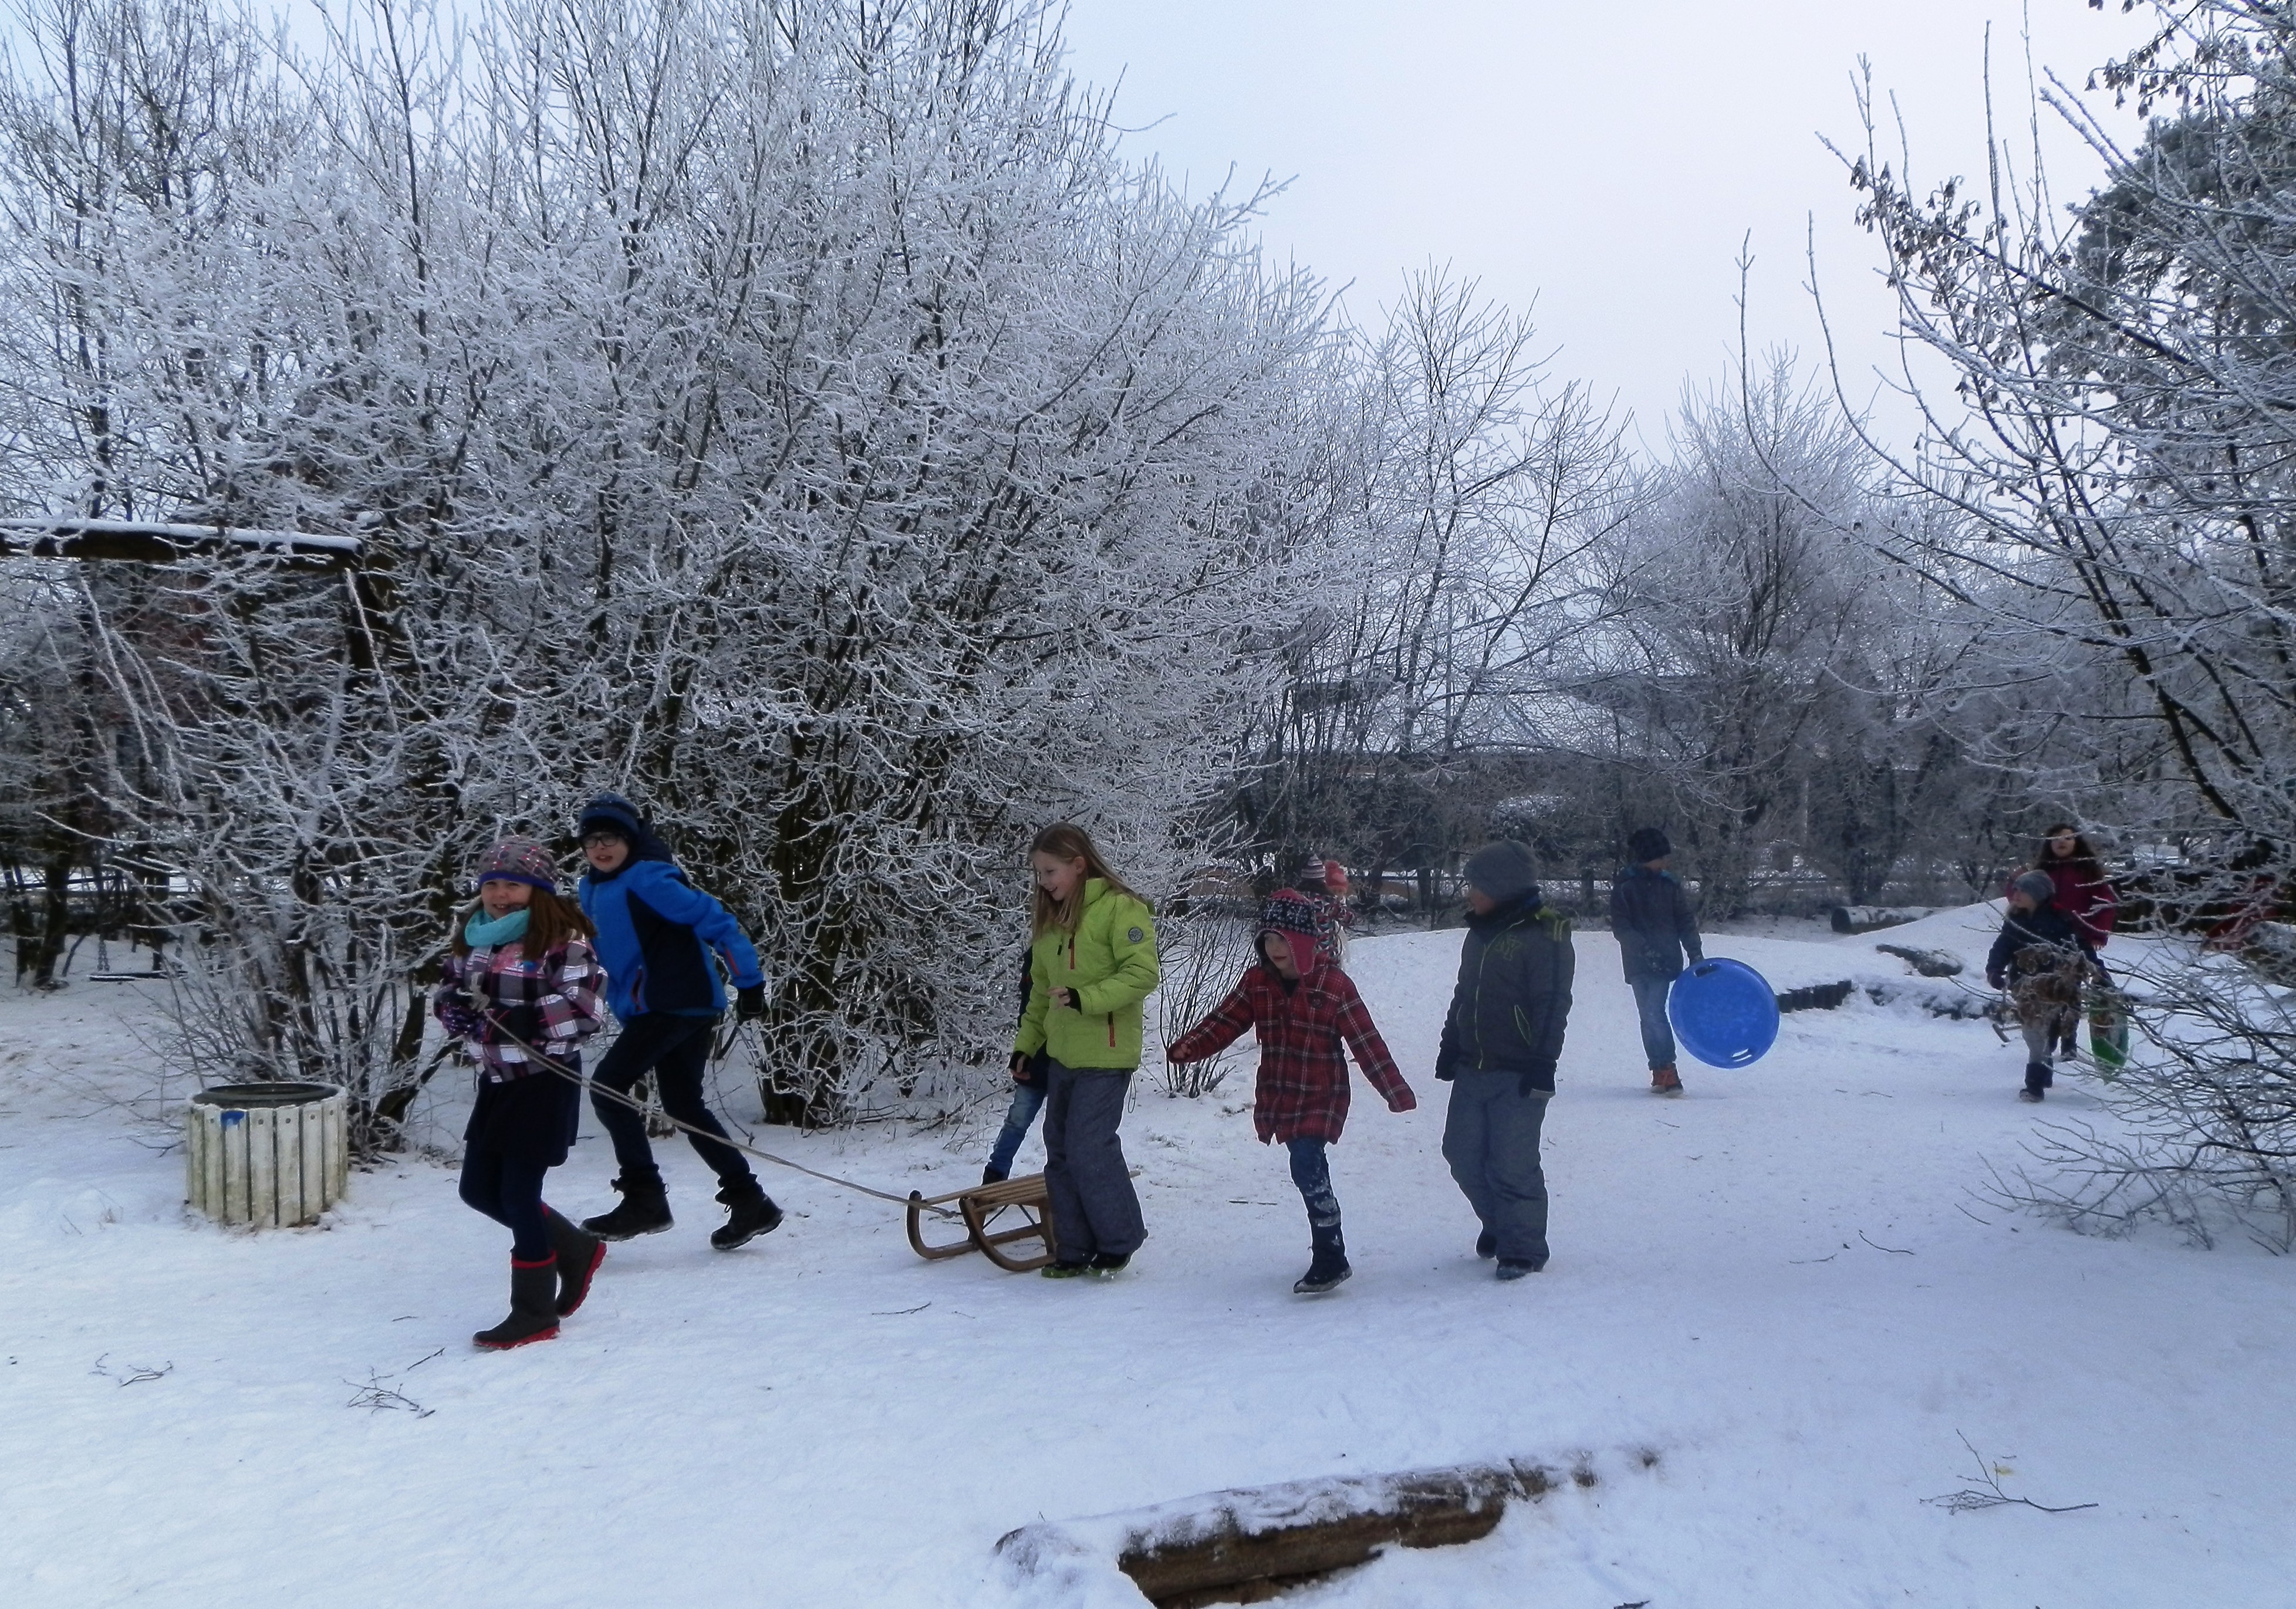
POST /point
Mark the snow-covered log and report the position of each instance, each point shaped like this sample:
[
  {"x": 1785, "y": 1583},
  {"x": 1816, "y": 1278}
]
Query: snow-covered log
[
  {"x": 1252, "y": 1542},
  {"x": 1871, "y": 919}
]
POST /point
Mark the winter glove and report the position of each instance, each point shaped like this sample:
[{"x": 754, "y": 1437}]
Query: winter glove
[
  {"x": 1443, "y": 1072},
  {"x": 1539, "y": 1082},
  {"x": 750, "y": 1003},
  {"x": 1019, "y": 1067},
  {"x": 1995, "y": 980},
  {"x": 1403, "y": 1100},
  {"x": 459, "y": 1020},
  {"x": 1067, "y": 1000}
]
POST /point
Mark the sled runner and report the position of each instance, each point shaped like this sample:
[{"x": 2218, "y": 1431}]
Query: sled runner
[{"x": 980, "y": 1206}]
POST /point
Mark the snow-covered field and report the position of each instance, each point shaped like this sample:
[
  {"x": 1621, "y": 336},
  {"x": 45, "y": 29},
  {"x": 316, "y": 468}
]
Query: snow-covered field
[{"x": 1782, "y": 1285}]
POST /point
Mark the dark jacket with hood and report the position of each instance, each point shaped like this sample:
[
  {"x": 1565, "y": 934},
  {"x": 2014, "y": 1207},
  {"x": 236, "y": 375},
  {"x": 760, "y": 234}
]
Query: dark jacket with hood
[
  {"x": 656, "y": 930},
  {"x": 2039, "y": 940},
  {"x": 1513, "y": 994},
  {"x": 1652, "y": 920}
]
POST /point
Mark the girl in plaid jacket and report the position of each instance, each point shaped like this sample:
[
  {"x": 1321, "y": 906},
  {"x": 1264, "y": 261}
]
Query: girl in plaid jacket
[
  {"x": 521, "y": 989},
  {"x": 1303, "y": 1008}
]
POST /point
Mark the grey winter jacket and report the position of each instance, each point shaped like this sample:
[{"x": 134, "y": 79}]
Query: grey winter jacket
[
  {"x": 1652, "y": 920},
  {"x": 1513, "y": 995}
]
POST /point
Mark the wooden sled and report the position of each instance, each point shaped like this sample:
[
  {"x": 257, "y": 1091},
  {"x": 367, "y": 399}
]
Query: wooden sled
[{"x": 980, "y": 1207}]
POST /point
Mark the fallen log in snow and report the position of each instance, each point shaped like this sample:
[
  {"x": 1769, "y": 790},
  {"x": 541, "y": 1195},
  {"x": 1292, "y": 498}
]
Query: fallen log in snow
[
  {"x": 1247, "y": 1545},
  {"x": 1815, "y": 997},
  {"x": 1867, "y": 919},
  {"x": 1929, "y": 963}
]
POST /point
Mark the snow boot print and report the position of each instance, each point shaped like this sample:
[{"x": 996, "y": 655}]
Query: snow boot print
[
  {"x": 533, "y": 1307},
  {"x": 644, "y": 1211},
  {"x": 749, "y": 1213}
]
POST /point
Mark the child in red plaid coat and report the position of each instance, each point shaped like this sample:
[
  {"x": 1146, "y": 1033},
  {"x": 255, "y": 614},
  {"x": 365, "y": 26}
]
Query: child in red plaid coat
[{"x": 1303, "y": 1008}]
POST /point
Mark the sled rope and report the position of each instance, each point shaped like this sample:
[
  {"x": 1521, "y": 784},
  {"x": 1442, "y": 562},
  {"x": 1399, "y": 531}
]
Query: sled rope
[{"x": 597, "y": 1090}]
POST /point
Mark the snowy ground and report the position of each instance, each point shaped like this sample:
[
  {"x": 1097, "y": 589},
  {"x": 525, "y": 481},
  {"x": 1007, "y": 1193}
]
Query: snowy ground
[{"x": 1782, "y": 1285}]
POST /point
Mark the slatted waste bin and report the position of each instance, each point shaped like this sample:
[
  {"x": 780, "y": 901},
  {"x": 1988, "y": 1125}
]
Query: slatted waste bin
[{"x": 268, "y": 1154}]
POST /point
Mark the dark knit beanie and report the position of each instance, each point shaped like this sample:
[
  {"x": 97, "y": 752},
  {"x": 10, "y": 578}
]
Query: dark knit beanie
[
  {"x": 519, "y": 861},
  {"x": 1506, "y": 870},
  {"x": 2038, "y": 887},
  {"x": 611, "y": 812},
  {"x": 1647, "y": 844}
]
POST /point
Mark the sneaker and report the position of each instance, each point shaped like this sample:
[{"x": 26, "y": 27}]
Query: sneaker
[
  {"x": 1065, "y": 1270},
  {"x": 1108, "y": 1267},
  {"x": 1666, "y": 1080},
  {"x": 1486, "y": 1245},
  {"x": 2028, "y": 1095},
  {"x": 1515, "y": 1268}
]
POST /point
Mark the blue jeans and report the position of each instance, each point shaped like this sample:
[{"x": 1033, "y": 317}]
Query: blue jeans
[
  {"x": 1658, "y": 1034},
  {"x": 1312, "y": 1173},
  {"x": 1028, "y": 1100}
]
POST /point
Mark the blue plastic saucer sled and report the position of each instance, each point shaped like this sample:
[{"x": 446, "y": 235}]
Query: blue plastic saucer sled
[{"x": 1724, "y": 1012}]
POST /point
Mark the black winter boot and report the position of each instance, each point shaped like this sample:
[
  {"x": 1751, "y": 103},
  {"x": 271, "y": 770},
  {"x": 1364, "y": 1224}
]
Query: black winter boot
[
  {"x": 750, "y": 1213},
  {"x": 533, "y": 1307},
  {"x": 579, "y": 1252},
  {"x": 992, "y": 1174},
  {"x": 1327, "y": 1267},
  {"x": 644, "y": 1210},
  {"x": 2037, "y": 1078}
]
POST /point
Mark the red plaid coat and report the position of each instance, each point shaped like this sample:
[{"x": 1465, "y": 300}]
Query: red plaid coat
[{"x": 1303, "y": 1077}]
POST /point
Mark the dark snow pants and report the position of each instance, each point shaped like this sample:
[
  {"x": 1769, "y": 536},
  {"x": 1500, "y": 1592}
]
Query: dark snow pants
[
  {"x": 1311, "y": 1170},
  {"x": 1649, "y": 1006},
  {"x": 507, "y": 1188},
  {"x": 1490, "y": 1138},
  {"x": 1095, "y": 1211},
  {"x": 676, "y": 1050}
]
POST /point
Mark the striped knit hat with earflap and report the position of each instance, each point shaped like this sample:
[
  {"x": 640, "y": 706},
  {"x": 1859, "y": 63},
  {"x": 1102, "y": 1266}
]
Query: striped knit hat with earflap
[
  {"x": 1290, "y": 913},
  {"x": 519, "y": 861}
]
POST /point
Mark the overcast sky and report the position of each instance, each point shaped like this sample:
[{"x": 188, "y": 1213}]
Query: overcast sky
[{"x": 1606, "y": 158}]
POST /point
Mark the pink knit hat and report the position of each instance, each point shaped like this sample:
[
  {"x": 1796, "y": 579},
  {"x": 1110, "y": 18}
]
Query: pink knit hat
[{"x": 519, "y": 861}]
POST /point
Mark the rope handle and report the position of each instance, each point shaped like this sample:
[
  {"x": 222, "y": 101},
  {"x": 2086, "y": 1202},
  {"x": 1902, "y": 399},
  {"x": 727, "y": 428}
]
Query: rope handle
[{"x": 597, "y": 1090}]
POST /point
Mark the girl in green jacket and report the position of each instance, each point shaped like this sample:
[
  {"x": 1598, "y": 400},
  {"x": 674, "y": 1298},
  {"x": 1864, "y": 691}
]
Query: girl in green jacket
[{"x": 1092, "y": 964}]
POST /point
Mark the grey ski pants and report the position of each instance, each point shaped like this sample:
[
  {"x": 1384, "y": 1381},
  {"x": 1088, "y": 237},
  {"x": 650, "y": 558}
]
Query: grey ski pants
[
  {"x": 1490, "y": 1138},
  {"x": 1095, "y": 1211}
]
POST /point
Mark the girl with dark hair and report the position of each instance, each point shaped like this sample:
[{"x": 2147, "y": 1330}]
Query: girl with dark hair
[
  {"x": 2083, "y": 891},
  {"x": 1091, "y": 963},
  {"x": 522, "y": 989}
]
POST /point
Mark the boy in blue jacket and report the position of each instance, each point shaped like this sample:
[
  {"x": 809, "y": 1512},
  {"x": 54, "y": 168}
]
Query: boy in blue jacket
[{"x": 656, "y": 933}]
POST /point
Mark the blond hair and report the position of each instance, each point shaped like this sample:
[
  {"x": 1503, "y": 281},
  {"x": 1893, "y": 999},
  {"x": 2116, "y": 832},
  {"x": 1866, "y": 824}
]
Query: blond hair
[{"x": 1070, "y": 842}]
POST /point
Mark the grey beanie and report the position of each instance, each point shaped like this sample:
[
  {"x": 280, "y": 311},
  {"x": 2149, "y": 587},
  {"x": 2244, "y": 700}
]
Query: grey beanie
[
  {"x": 2038, "y": 887},
  {"x": 1506, "y": 870}
]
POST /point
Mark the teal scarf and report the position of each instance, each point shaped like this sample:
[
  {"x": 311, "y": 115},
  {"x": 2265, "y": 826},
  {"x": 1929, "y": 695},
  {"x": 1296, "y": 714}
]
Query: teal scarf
[{"x": 481, "y": 934}]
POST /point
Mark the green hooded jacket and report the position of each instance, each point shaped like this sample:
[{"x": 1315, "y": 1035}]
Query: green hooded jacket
[{"x": 1110, "y": 963}]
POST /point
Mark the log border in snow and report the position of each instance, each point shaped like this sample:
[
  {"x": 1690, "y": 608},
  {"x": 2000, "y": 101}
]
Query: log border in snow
[{"x": 1257, "y": 1540}]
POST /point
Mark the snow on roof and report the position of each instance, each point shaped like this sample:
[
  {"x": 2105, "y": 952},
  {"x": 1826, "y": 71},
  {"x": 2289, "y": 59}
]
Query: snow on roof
[{"x": 156, "y": 541}]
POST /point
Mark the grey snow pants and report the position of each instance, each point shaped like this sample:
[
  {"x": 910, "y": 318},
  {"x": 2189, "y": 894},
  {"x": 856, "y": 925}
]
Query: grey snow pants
[
  {"x": 1095, "y": 1211},
  {"x": 1490, "y": 1138}
]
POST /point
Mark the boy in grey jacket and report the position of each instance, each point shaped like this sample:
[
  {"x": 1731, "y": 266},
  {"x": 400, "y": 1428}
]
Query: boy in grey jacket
[{"x": 1501, "y": 1039}]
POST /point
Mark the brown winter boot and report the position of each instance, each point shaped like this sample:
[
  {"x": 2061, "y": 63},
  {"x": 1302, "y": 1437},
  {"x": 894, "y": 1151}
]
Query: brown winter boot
[{"x": 1665, "y": 1081}]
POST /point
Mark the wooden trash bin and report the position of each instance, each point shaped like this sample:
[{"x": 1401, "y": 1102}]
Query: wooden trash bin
[{"x": 269, "y": 1154}]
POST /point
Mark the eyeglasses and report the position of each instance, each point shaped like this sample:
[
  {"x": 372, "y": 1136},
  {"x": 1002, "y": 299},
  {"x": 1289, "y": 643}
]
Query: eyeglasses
[{"x": 599, "y": 840}]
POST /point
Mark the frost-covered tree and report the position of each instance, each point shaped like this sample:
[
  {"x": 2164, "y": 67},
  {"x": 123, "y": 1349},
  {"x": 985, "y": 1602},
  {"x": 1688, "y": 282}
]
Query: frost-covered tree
[
  {"x": 799, "y": 416},
  {"x": 2117, "y": 445}
]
